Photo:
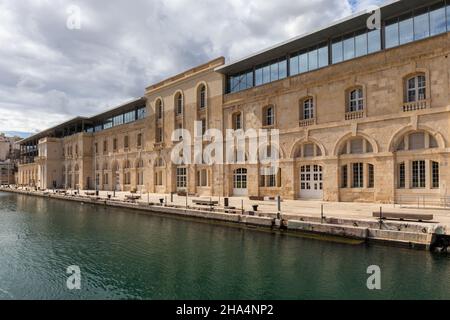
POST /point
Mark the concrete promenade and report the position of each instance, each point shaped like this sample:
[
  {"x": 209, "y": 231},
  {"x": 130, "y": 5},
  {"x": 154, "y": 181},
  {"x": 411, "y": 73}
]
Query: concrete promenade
[
  {"x": 292, "y": 209},
  {"x": 353, "y": 221}
]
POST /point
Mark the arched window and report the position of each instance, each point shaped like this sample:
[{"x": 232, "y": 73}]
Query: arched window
[
  {"x": 127, "y": 164},
  {"x": 179, "y": 104},
  {"x": 307, "y": 150},
  {"x": 202, "y": 97},
  {"x": 77, "y": 168},
  {"x": 159, "y": 109},
  {"x": 159, "y": 163},
  {"x": 416, "y": 141},
  {"x": 105, "y": 166},
  {"x": 355, "y": 100},
  {"x": 416, "y": 88},
  {"x": 269, "y": 116},
  {"x": 140, "y": 164},
  {"x": 357, "y": 145},
  {"x": 307, "y": 111}
]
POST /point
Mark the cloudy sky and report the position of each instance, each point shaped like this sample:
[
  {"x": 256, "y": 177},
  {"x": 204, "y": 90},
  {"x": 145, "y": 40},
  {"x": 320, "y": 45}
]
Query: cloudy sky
[{"x": 50, "y": 73}]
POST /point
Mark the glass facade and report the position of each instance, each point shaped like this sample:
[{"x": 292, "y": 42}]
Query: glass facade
[
  {"x": 412, "y": 26},
  {"x": 131, "y": 116}
]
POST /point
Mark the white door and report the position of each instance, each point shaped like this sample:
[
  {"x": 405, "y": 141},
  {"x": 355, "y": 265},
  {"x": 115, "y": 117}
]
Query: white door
[
  {"x": 311, "y": 182},
  {"x": 240, "y": 183}
]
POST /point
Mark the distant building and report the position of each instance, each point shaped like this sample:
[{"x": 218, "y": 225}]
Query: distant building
[{"x": 7, "y": 173}]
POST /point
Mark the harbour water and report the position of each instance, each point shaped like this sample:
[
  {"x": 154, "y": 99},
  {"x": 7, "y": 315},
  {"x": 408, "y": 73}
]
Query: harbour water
[{"x": 123, "y": 254}]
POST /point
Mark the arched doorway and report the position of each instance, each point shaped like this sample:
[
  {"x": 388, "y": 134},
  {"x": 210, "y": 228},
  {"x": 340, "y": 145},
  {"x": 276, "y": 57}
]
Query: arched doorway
[
  {"x": 311, "y": 182},
  {"x": 240, "y": 182}
]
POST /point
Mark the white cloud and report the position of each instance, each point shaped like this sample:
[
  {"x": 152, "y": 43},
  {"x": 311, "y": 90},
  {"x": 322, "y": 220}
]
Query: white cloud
[{"x": 49, "y": 73}]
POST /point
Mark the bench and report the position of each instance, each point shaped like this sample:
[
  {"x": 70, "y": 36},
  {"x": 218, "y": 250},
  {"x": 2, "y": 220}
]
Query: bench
[
  {"x": 206, "y": 203},
  {"x": 403, "y": 216}
]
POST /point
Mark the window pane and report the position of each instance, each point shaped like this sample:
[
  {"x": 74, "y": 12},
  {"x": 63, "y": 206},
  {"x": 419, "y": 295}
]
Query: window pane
[
  {"x": 361, "y": 45},
  {"x": 303, "y": 63},
  {"x": 242, "y": 82},
  {"x": 293, "y": 64},
  {"x": 249, "y": 80},
  {"x": 312, "y": 60},
  {"x": 266, "y": 74},
  {"x": 349, "y": 49},
  {"x": 323, "y": 57},
  {"x": 337, "y": 52},
  {"x": 274, "y": 72},
  {"x": 421, "y": 27},
  {"x": 259, "y": 77},
  {"x": 437, "y": 21},
  {"x": 406, "y": 31},
  {"x": 374, "y": 40},
  {"x": 448, "y": 17},
  {"x": 282, "y": 69},
  {"x": 392, "y": 35}
]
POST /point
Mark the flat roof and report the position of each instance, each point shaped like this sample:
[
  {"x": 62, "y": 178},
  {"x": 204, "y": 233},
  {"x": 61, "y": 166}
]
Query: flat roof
[
  {"x": 128, "y": 106},
  {"x": 341, "y": 27}
]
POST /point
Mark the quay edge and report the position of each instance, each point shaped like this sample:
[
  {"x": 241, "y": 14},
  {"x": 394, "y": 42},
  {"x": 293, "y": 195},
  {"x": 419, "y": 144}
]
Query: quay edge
[{"x": 419, "y": 236}]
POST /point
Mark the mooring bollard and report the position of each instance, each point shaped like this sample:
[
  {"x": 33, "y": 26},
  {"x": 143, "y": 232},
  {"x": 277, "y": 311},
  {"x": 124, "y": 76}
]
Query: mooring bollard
[
  {"x": 381, "y": 217},
  {"x": 321, "y": 213}
]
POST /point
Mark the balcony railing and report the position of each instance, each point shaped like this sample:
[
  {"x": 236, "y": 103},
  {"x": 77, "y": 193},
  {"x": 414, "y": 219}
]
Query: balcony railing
[
  {"x": 416, "y": 105},
  {"x": 355, "y": 115},
  {"x": 307, "y": 122}
]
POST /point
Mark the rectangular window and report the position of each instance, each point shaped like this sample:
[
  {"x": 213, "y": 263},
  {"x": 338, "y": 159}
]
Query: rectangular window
[
  {"x": 349, "y": 48},
  {"x": 266, "y": 74},
  {"x": 129, "y": 117},
  {"x": 139, "y": 140},
  {"x": 435, "y": 174},
  {"x": 421, "y": 26},
  {"x": 406, "y": 31},
  {"x": 344, "y": 177},
  {"x": 358, "y": 175},
  {"x": 96, "y": 148},
  {"x": 249, "y": 80},
  {"x": 392, "y": 35},
  {"x": 115, "y": 144},
  {"x": 259, "y": 76},
  {"x": 118, "y": 120},
  {"x": 282, "y": 72},
  {"x": 108, "y": 123},
  {"x": 274, "y": 72},
  {"x": 125, "y": 142},
  {"x": 105, "y": 146},
  {"x": 181, "y": 178},
  {"x": 293, "y": 65},
  {"x": 371, "y": 182},
  {"x": 418, "y": 174},
  {"x": 313, "y": 60},
  {"x": 361, "y": 45},
  {"x": 437, "y": 21},
  {"x": 141, "y": 112},
  {"x": 374, "y": 41},
  {"x": 401, "y": 176},
  {"x": 337, "y": 52},
  {"x": 323, "y": 57},
  {"x": 303, "y": 63},
  {"x": 448, "y": 17}
]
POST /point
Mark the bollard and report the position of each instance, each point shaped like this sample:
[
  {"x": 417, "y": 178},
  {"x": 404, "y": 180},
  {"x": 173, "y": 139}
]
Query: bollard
[
  {"x": 279, "y": 208},
  {"x": 226, "y": 202},
  {"x": 171, "y": 197},
  {"x": 381, "y": 217},
  {"x": 321, "y": 213}
]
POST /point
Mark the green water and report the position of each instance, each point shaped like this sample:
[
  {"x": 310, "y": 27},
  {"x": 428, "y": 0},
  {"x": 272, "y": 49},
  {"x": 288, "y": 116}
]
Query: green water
[{"x": 126, "y": 255}]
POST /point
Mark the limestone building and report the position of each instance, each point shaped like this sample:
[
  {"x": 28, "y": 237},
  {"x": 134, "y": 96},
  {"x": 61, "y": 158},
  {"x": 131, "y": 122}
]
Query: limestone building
[{"x": 363, "y": 115}]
